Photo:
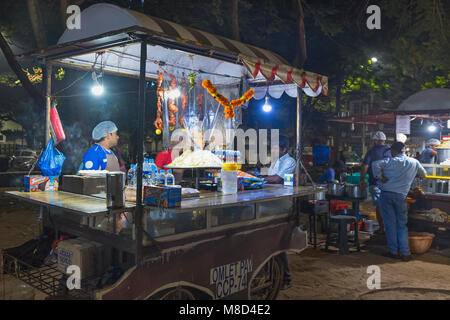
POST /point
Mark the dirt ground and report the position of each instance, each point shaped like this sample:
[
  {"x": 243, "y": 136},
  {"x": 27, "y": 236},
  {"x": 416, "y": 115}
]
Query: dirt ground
[{"x": 316, "y": 274}]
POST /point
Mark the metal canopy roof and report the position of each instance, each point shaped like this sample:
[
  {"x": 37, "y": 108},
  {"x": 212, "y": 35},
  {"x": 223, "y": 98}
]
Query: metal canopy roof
[
  {"x": 116, "y": 31},
  {"x": 429, "y": 101}
]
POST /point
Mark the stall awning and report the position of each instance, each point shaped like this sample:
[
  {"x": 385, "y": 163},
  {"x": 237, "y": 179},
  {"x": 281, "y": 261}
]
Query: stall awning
[
  {"x": 106, "y": 24},
  {"x": 431, "y": 101}
]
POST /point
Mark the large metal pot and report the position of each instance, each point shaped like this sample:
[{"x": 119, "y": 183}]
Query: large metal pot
[
  {"x": 355, "y": 191},
  {"x": 443, "y": 154},
  {"x": 336, "y": 189},
  {"x": 321, "y": 195}
]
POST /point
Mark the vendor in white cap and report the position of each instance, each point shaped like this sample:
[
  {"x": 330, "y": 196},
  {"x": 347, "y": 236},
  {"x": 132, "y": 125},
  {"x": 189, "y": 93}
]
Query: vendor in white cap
[
  {"x": 100, "y": 156},
  {"x": 429, "y": 154},
  {"x": 378, "y": 152}
]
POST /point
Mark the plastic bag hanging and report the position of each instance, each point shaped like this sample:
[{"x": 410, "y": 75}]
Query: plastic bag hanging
[{"x": 51, "y": 161}]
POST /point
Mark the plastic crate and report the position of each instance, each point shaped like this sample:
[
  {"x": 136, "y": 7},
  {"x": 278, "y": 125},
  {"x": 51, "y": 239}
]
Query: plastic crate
[
  {"x": 354, "y": 178},
  {"x": 337, "y": 205}
]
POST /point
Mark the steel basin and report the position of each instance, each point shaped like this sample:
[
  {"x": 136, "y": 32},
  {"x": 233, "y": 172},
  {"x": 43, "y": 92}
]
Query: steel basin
[
  {"x": 355, "y": 191},
  {"x": 336, "y": 189}
]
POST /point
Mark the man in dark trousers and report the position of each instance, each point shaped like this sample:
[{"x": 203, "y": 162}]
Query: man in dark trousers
[{"x": 396, "y": 175}]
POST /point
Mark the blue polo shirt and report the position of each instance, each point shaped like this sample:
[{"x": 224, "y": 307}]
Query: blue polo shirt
[
  {"x": 375, "y": 154},
  {"x": 327, "y": 176},
  {"x": 426, "y": 156},
  {"x": 95, "y": 158}
]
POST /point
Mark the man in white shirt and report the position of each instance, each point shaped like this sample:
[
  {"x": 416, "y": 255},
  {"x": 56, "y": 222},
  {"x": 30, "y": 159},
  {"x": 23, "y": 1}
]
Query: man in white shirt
[{"x": 284, "y": 165}]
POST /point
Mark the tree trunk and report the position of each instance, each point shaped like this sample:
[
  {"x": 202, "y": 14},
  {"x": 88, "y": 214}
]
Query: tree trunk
[
  {"x": 235, "y": 20},
  {"x": 36, "y": 22},
  {"x": 32, "y": 91},
  {"x": 338, "y": 97},
  {"x": 301, "y": 55}
]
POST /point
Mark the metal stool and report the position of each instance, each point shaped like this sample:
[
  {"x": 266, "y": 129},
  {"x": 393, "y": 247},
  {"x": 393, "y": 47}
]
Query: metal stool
[
  {"x": 342, "y": 239},
  {"x": 315, "y": 210}
]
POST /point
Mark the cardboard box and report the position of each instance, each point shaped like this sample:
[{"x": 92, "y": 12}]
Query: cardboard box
[
  {"x": 83, "y": 184},
  {"x": 93, "y": 258},
  {"x": 166, "y": 197},
  {"x": 40, "y": 183},
  {"x": 289, "y": 180}
]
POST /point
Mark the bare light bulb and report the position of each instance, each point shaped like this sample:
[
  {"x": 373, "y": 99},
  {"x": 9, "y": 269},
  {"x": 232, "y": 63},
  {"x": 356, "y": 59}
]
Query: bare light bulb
[{"x": 267, "y": 107}]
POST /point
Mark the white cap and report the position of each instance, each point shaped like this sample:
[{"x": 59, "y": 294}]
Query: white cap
[
  {"x": 433, "y": 142},
  {"x": 379, "y": 135},
  {"x": 102, "y": 129}
]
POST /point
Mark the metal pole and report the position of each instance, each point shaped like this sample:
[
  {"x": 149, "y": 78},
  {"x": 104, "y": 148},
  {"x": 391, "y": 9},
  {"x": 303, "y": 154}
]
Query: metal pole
[
  {"x": 48, "y": 101},
  {"x": 140, "y": 153},
  {"x": 299, "y": 135}
]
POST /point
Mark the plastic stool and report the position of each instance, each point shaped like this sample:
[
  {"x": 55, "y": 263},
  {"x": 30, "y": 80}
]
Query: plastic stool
[{"x": 342, "y": 239}]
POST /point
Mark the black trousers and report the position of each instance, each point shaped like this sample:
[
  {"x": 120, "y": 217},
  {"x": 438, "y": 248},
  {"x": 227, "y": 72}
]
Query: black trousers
[{"x": 287, "y": 272}]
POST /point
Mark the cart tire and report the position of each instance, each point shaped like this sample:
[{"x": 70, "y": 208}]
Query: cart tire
[{"x": 267, "y": 283}]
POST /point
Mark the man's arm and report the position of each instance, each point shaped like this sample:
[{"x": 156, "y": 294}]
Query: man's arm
[
  {"x": 421, "y": 172},
  {"x": 364, "y": 169},
  {"x": 287, "y": 167},
  {"x": 377, "y": 170},
  {"x": 275, "y": 179},
  {"x": 362, "y": 178}
]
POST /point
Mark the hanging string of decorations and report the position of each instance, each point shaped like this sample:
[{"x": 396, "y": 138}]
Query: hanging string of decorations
[
  {"x": 184, "y": 100},
  {"x": 160, "y": 94},
  {"x": 229, "y": 107}
]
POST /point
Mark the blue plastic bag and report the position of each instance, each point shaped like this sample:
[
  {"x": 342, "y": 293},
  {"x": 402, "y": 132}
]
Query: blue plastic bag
[{"x": 51, "y": 161}]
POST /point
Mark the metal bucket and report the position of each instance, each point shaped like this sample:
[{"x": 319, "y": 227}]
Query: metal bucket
[
  {"x": 355, "y": 191},
  {"x": 336, "y": 189},
  {"x": 321, "y": 195},
  {"x": 115, "y": 186},
  {"x": 443, "y": 154}
]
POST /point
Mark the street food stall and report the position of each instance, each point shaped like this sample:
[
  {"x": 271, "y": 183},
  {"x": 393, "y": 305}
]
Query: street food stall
[
  {"x": 210, "y": 246},
  {"x": 429, "y": 196}
]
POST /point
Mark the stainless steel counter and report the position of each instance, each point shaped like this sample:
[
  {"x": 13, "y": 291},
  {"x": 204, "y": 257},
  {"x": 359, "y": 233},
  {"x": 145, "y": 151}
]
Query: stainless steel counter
[
  {"x": 76, "y": 203},
  {"x": 88, "y": 205}
]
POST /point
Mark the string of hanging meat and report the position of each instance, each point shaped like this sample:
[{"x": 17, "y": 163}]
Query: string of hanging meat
[
  {"x": 173, "y": 110},
  {"x": 160, "y": 97}
]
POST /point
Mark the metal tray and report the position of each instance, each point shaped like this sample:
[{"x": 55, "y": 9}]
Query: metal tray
[{"x": 211, "y": 167}]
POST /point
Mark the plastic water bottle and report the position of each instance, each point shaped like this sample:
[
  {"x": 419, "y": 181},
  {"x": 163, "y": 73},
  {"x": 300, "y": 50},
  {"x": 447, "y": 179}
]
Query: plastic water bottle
[
  {"x": 161, "y": 179},
  {"x": 131, "y": 176},
  {"x": 170, "y": 179},
  {"x": 153, "y": 166}
]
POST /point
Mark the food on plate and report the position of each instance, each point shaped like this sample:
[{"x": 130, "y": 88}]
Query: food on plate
[
  {"x": 197, "y": 158},
  {"x": 93, "y": 173}
]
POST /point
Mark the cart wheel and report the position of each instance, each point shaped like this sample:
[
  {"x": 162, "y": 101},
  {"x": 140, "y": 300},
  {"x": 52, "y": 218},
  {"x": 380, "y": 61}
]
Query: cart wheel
[
  {"x": 267, "y": 283},
  {"x": 177, "y": 294}
]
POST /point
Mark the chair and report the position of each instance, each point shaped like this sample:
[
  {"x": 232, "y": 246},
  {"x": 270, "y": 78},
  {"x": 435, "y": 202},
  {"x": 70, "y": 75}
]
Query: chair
[{"x": 342, "y": 240}]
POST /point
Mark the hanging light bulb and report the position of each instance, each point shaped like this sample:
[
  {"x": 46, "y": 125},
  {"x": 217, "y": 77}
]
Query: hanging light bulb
[
  {"x": 97, "y": 89},
  {"x": 267, "y": 107},
  {"x": 432, "y": 127}
]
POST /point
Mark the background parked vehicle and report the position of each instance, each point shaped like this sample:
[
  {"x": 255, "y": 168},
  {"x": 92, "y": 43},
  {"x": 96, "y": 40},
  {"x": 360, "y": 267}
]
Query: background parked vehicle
[{"x": 23, "y": 159}]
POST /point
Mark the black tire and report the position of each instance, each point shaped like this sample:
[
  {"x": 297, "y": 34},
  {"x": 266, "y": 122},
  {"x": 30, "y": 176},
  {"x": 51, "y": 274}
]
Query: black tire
[{"x": 267, "y": 283}]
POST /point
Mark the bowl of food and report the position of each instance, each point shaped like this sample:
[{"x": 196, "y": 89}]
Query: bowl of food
[{"x": 420, "y": 242}]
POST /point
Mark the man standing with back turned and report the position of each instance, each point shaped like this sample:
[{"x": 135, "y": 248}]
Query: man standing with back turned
[{"x": 396, "y": 175}]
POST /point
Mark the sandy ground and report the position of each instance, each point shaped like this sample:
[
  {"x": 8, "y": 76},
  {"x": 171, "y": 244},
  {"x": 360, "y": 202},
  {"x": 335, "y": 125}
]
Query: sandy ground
[{"x": 317, "y": 275}]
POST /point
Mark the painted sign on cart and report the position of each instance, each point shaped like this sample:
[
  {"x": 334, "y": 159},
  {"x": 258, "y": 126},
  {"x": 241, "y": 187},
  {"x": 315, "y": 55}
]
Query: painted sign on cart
[{"x": 230, "y": 278}]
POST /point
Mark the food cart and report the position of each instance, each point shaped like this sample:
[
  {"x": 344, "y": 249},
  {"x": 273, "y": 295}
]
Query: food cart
[
  {"x": 430, "y": 208},
  {"x": 210, "y": 247}
]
